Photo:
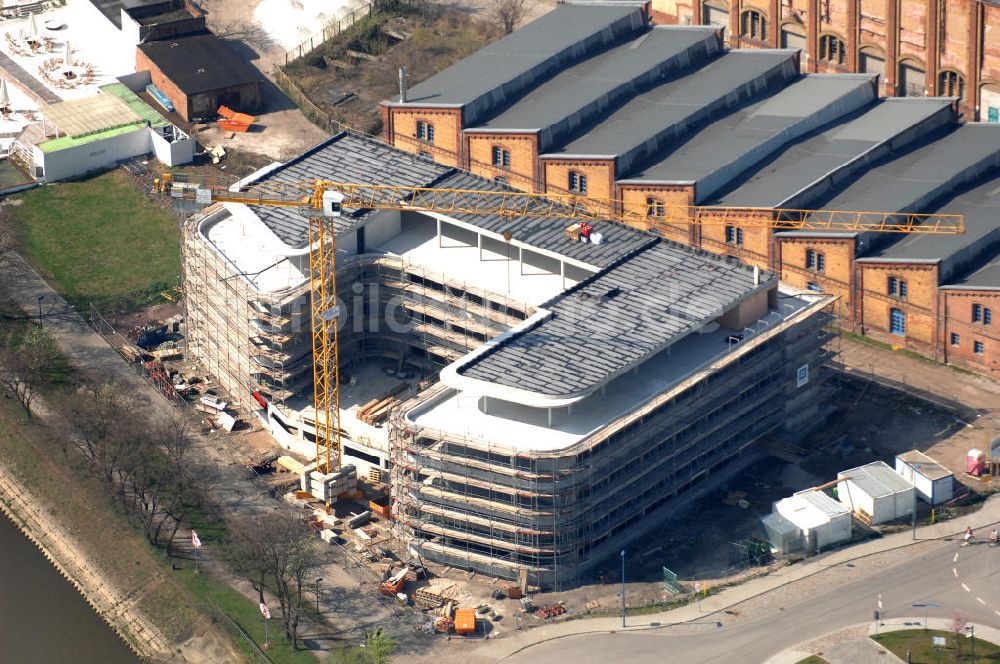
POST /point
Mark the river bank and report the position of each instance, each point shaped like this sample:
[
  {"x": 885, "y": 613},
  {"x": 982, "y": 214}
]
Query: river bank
[{"x": 62, "y": 550}]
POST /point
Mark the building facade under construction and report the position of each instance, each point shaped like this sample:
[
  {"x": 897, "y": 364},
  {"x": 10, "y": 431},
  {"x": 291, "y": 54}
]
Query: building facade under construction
[{"x": 539, "y": 399}]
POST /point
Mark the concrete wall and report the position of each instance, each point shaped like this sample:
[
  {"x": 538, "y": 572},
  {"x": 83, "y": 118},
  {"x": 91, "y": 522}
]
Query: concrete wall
[{"x": 174, "y": 148}]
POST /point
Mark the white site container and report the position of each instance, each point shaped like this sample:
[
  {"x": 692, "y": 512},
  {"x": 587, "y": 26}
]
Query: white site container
[
  {"x": 876, "y": 493},
  {"x": 933, "y": 482},
  {"x": 823, "y": 521}
]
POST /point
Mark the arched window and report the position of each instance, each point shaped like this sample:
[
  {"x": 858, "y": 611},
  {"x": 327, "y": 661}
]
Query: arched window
[
  {"x": 897, "y": 322},
  {"x": 753, "y": 25},
  {"x": 832, "y": 50},
  {"x": 655, "y": 208},
  {"x": 951, "y": 84},
  {"x": 425, "y": 131}
]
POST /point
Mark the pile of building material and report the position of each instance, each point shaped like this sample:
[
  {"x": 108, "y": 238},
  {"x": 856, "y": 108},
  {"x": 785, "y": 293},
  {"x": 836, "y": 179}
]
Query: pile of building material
[
  {"x": 327, "y": 486},
  {"x": 377, "y": 410}
]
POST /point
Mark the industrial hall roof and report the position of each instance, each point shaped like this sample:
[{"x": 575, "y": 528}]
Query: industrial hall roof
[
  {"x": 505, "y": 68},
  {"x": 615, "y": 320},
  {"x": 200, "y": 63},
  {"x": 820, "y": 160},
  {"x": 724, "y": 149},
  {"x": 577, "y": 94}
]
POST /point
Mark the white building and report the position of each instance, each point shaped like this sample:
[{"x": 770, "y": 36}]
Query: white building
[
  {"x": 822, "y": 521},
  {"x": 876, "y": 493},
  {"x": 932, "y": 481}
]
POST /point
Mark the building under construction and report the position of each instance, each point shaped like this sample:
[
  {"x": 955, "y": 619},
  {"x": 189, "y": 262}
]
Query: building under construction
[{"x": 535, "y": 400}]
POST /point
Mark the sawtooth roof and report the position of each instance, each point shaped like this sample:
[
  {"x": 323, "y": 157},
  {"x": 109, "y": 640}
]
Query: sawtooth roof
[
  {"x": 615, "y": 320},
  {"x": 826, "y": 157},
  {"x": 500, "y": 71},
  {"x": 718, "y": 153},
  {"x": 580, "y": 92}
]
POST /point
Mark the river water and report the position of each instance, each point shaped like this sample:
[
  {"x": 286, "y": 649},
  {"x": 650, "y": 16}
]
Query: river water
[{"x": 43, "y": 619}]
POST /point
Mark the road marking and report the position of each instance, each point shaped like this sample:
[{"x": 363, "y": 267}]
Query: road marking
[
  {"x": 954, "y": 570},
  {"x": 955, "y": 559},
  {"x": 966, "y": 588},
  {"x": 981, "y": 601},
  {"x": 997, "y": 612}
]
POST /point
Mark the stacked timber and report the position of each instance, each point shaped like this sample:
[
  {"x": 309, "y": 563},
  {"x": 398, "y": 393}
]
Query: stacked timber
[{"x": 377, "y": 410}]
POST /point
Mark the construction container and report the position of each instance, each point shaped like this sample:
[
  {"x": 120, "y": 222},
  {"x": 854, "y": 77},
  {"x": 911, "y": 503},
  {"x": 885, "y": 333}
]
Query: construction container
[
  {"x": 932, "y": 481},
  {"x": 876, "y": 493},
  {"x": 822, "y": 521},
  {"x": 465, "y": 621}
]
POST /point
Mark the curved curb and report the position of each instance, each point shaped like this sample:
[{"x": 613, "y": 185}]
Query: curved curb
[{"x": 646, "y": 628}]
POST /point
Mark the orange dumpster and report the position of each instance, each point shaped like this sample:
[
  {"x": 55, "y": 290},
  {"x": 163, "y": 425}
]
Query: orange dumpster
[{"x": 465, "y": 621}]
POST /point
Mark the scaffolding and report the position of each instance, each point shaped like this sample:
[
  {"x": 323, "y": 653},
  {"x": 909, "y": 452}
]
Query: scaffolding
[{"x": 554, "y": 516}]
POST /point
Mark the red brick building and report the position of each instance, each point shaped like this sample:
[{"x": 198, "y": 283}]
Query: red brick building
[
  {"x": 918, "y": 47},
  {"x": 199, "y": 73}
]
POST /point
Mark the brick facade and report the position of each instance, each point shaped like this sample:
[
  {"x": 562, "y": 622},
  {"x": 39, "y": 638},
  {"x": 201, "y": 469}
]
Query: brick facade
[
  {"x": 401, "y": 130},
  {"x": 920, "y": 47},
  {"x": 521, "y": 153},
  {"x": 957, "y": 319}
]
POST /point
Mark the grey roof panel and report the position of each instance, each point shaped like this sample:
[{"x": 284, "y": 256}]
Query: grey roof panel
[
  {"x": 840, "y": 149},
  {"x": 914, "y": 181},
  {"x": 651, "y": 119},
  {"x": 616, "y": 320},
  {"x": 981, "y": 209},
  {"x": 986, "y": 277},
  {"x": 513, "y": 64},
  {"x": 718, "y": 153},
  {"x": 548, "y": 234},
  {"x": 343, "y": 158},
  {"x": 579, "y": 92}
]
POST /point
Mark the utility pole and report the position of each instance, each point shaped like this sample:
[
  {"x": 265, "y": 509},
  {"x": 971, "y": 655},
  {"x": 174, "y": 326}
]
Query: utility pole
[
  {"x": 317, "y": 594},
  {"x": 40, "y": 298},
  {"x": 623, "y": 587}
]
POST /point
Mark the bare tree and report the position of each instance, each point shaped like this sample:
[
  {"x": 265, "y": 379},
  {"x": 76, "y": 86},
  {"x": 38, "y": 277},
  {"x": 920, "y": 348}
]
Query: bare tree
[
  {"x": 508, "y": 13},
  {"x": 278, "y": 552},
  {"x": 957, "y": 627},
  {"x": 7, "y": 240},
  {"x": 31, "y": 367}
]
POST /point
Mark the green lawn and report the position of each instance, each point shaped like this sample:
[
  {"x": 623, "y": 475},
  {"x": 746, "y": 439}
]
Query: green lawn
[
  {"x": 918, "y": 642},
  {"x": 813, "y": 659},
  {"x": 100, "y": 240}
]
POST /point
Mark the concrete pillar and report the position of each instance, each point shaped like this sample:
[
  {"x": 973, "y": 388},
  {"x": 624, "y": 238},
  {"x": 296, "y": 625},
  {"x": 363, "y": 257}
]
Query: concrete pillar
[
  {"x": 974, "y": 71},
  {"x": 812, "y": 37},
  {"x": 853, "y": 33},
  {"x": 486, "y": 405},
  {"x": 520, "y": 259},
  {"x": 439, "y": 233},
  {"x": 479, "y": 245},
  {"x": 549, "y": 410}
]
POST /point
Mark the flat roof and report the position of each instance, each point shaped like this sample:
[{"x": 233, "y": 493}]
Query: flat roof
[
  {"x": 134, "y": 102},
  {"x": 344, "y": 157},
  {"x": 925, "y": 465},
  {"x": 793, "y": 170},
  {"x": 678, "y": 104},
  {"x": 980, "y": 207},
  {"x": 985, "y": 278},
  {"x": 91, "y": 115},
  {"x": 914, "y": 180},
  {"x": 200, "y": 63},
  {"x": 877, "y": 479},
  {"x": 722, "y": 150},
  {"x": 528, "y": 428},
  {"x": 614, "y": 321},
  {"x": 592, "y": 85},
  {"x": 353, "y": 158},
  {"x": 522, "y": 58}
]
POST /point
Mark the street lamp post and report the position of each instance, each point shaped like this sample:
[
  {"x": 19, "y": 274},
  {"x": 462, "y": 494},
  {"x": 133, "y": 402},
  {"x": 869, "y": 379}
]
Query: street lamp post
[
  {"x": 623, "y": 587},
  {"x": 317, "y": 593},
  {"x": 972, "y": 635},
  {"x": 40, "y": 298}
]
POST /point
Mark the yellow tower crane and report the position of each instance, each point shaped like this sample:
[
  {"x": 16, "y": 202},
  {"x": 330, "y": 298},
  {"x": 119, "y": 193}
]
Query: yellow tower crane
[{"x": 322, "y": 200}]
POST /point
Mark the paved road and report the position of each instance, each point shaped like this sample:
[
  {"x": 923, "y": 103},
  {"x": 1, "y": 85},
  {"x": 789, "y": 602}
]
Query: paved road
[{"x": 927, "y": 577}]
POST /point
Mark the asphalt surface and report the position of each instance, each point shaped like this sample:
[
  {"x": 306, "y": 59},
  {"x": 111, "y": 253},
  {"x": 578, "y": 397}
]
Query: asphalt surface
[{"x": 935, "y": 576}]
